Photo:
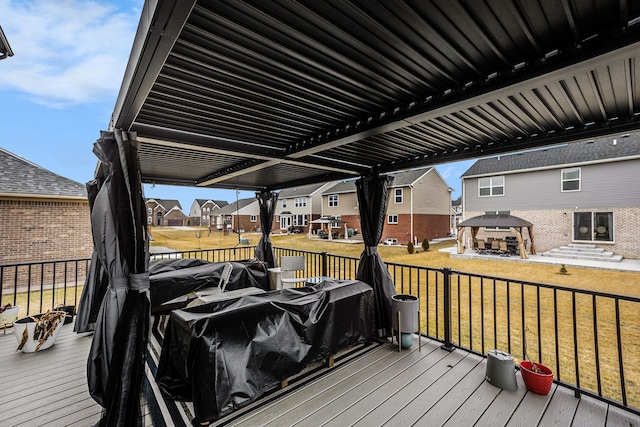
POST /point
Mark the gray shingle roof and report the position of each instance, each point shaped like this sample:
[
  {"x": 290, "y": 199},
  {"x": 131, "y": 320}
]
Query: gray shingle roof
[
  {"x": 231, "y": 207},
  {"x": 400, "y": 179},
  {"x": 167, "y": 204},
  {"x": 303, "y": 190},
  {"x": 569, "y": 154},
  {"x": 342, "y": 187},
  {"x": 404, "y": 178},
  {"x": 20, "y": 176},
  {"x": 220, "y": 203}
]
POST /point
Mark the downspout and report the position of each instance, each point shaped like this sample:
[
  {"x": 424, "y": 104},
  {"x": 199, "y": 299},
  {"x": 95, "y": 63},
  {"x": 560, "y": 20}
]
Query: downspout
[
  {"x": 310, "y": 215},
  {"x": 411, "y": 212}
]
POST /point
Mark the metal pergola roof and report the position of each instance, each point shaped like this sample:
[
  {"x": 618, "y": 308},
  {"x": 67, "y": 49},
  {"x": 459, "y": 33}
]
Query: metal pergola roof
[{"x": 274, "y": 94}]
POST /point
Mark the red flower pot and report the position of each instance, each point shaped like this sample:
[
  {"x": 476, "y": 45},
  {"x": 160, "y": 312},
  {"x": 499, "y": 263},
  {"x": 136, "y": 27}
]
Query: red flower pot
[{"x": 539, "y": 383}]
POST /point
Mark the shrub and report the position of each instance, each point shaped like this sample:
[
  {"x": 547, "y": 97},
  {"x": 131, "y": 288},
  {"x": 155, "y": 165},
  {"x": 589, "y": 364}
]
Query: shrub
[
  {"x": 410, "y": 248},
  {"x": 425, "y": 245}
]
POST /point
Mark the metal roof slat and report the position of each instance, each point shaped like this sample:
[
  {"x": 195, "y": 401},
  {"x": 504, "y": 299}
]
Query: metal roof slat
[
  {"x": 258, "y": 90},
  {"x": 309, "y": 61},
  {"x": 224, "y": 104}
]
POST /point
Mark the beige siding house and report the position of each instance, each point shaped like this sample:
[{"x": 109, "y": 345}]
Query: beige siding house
[
  {"x": 419, "y": 206},
  {"x": 297, "y": 207},
  {"x": 203, "y": 212}
]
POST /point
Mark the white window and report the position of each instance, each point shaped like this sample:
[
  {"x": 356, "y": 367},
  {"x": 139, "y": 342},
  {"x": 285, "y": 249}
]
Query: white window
[
  {"x": 149, "y": 220},
  {"x": 300, "y": 220},
  {"x": 392, "y": 219},
  {"x": 492, "y": 186},
  {"x": 333, "y": 200},
  {"x": 300, "y": 202},
  {"x": 571, "y": 179},
  {"x": 398, "y": 196},
  {"x": 284, "y": 203},
  {"x": 593, "y": 226},
  {"x": 149, "y": 211},
  {"x": 336, "y": 221},
  {"x": 253, "y": 218}
]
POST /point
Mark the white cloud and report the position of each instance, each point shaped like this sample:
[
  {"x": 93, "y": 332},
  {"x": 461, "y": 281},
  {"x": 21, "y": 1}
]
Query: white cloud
[{"x": 66, "y": 52}]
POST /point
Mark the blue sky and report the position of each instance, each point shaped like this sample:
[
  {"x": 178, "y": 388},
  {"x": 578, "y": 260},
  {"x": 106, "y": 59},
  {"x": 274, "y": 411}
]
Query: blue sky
[{"x": 58, "y": 90}]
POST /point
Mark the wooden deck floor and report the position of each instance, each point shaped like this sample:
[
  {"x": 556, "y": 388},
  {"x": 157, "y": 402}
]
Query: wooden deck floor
[{"x": 382, "y": 387}]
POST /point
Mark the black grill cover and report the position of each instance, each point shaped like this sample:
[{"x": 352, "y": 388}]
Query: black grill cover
[{"x": 224, "y": 355}]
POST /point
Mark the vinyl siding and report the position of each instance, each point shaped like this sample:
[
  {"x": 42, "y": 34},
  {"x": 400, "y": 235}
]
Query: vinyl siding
[
  {"x": 347, "y": 204},
  {"x": 602, "y": 185},
  {"x": 431, "y": 195}
]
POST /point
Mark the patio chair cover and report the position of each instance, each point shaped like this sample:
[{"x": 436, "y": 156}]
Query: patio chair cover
[
  {"x": 96, "y": 281},
  {"x": 267, "y": 203},
  {"x": 372, "y": 194},
  {"x": 118, "y": 221}
]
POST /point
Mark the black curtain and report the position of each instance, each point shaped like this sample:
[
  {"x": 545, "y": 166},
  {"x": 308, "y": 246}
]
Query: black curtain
[
  {"x": 96, "y": 282},
  {"x": 264, "y": 251},
  {"x": 118, "y": 221},
  {"x": 372, "y": 194}
]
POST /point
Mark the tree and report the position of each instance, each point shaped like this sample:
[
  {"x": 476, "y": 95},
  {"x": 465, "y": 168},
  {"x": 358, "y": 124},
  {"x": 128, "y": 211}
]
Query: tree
[
  {"x": 425, "y": 245},
  {"x": 410, "y": 248}
]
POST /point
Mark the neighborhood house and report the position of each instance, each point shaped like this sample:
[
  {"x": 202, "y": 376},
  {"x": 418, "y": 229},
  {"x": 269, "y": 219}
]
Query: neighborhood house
[
  {"x": 419, "y": 207},
  {"x": 583, "y": 193}
]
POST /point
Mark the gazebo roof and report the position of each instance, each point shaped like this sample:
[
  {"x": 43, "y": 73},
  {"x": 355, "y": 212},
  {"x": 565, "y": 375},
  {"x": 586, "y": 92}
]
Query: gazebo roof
[{"x": 493, "y": 220}]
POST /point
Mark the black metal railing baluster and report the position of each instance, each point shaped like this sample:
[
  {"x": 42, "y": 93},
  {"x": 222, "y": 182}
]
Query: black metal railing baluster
[
  {"x": 482, "y": 315},
  {"x": 575, "y": 341},
  {"x": 595, "y": 343},
  {"x": 623, "y": 389},
  {"x": 447, "y": 309}
]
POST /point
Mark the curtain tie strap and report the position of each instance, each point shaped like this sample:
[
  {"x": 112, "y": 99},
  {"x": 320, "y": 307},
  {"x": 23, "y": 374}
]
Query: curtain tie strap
[
  {"x": 119, "y": 283},
  {"x": 371, "y": 250},
  {"x": 139, "y": 282}
]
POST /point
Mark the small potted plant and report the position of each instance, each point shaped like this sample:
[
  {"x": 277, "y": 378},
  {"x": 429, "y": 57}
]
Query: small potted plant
[
  {"x": 38, "y": 332},
  {"x": 536, "y": 376}
]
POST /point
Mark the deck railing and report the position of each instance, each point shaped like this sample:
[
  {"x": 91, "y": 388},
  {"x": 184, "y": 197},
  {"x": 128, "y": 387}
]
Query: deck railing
[{"x": 591, "y": 340}]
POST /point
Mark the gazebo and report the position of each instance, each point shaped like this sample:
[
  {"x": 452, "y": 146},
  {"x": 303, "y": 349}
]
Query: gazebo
[{"x": 498, "y": 220}]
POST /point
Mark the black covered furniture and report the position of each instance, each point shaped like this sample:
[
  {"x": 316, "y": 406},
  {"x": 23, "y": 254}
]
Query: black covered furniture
[
  {"x": 170, "y": 279},
  {"x": 223, "y": 356}
]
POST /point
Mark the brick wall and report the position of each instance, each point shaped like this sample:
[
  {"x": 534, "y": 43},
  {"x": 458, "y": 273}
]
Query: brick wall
[
  {"x": 246, "y": 224},
  {"x": 424, "y": 227},
  {"x": 41, "y": 230}
]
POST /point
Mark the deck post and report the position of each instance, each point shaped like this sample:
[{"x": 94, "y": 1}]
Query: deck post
[
  {"x": 324, "y": 264},
  {"x": 446, "y": 271}
]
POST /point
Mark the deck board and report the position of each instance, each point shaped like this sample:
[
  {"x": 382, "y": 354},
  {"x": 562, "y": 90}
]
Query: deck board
[
  {"x": 531, "y": 409},
  {"x": 448, "y": 405},
  {"x": 414, "y": 381},
  {"x": 561, "y": 409},
  {"x": 590, "y": 412},
  {"x": 370, "y": 387},
  {"x": 430, "y": 391},
  {"x": 359, "y": 389},
  {"x": 374, "y": 393}
]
